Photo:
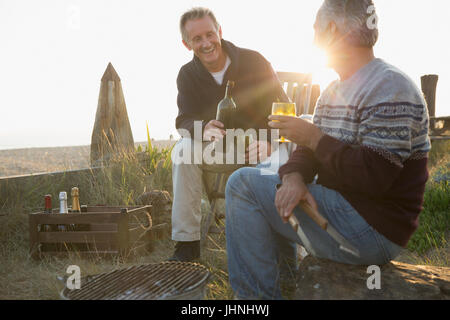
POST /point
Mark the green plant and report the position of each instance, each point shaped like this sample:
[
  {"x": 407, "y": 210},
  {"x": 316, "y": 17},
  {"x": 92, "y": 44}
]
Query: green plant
[
  {"x": 157, "y": 165},
  {"x": 434, "y": 220}
]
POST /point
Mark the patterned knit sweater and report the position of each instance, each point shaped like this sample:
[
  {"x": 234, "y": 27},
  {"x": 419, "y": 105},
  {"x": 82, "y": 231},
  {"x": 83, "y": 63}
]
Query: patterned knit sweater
[{"x": 375, "y": 148}]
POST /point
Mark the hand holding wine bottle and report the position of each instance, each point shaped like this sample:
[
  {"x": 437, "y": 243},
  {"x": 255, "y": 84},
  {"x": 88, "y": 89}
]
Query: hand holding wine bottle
[
  {"x": 214, "y": 130},
  {"x": 226, "y": 109}
]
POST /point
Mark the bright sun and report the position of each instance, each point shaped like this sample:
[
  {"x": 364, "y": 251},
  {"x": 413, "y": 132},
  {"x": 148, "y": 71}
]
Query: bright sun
[{"x": 317, "y": 65}]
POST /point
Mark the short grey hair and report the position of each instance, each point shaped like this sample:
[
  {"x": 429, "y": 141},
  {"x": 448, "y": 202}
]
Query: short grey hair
[
  {"x": 356, "y": 19},
  {"x": 193, "y": 14}
]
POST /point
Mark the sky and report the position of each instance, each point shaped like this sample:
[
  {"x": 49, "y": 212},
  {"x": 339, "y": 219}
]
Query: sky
[{"x": 53, "y": 54}]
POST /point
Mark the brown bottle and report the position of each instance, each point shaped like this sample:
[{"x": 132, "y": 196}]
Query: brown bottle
[
  {"x": 48, "y": 209},
  {"x": 226, "y": 109}
]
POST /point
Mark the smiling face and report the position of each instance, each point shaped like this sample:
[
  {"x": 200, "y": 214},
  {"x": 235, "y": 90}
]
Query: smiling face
[{"x": 205, "y": 40}]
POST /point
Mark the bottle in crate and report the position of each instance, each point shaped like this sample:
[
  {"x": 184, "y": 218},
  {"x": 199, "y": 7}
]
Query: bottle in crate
[
  {"x": 75, "y": 194},
  {"x": 47, "y": 210},
  {"x": 63, "y": 209}
]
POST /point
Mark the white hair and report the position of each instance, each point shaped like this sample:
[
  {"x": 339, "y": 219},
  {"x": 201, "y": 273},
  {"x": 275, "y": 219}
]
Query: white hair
[
  {"x": 356, "y": 19},
  {"x": 193, "y": 14}
]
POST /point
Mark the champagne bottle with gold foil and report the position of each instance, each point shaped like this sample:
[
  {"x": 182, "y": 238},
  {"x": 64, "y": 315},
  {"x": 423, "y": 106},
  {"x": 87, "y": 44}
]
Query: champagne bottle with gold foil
[
  {"x": 75, "y": 194},
  {"x": 76, "y": 208}
]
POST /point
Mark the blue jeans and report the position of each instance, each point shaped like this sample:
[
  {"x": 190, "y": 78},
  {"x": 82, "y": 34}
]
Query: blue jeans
[{"x": 261, "y": 247}]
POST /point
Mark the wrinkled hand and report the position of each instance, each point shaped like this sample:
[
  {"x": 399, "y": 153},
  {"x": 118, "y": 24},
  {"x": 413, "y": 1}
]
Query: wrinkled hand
[
  {"x": 214, "y": 130},
  {"x": 297, "y": 130},
  {"x": 259, "y": 150},
  {"x": 290, "y": 194}
]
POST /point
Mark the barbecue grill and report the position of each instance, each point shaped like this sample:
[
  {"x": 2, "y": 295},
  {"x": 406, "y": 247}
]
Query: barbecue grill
[{"x": 162, "y": 281}]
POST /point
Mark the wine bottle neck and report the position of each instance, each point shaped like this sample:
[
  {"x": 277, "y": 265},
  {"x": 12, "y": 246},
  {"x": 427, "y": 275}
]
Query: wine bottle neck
[{"x": 228, "y": 92}]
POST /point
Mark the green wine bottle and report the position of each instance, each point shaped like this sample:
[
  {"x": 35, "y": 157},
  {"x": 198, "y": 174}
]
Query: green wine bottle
[{"x": 226, "y": 109}]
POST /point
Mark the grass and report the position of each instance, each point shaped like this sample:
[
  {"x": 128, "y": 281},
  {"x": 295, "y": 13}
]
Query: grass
[
  {"x": 129, "y": 176},
  {"x": 429, "y": 245},
  {"x": 434, "y": 219}
]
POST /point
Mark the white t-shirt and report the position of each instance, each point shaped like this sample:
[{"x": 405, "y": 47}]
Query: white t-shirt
[{"x": 218, "y": 76}]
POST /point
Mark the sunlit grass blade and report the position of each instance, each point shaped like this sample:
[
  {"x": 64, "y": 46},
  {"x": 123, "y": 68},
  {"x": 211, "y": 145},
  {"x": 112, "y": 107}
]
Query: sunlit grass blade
[{"x": 149, "y": 141}]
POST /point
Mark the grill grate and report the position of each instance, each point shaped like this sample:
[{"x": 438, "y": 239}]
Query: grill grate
[{"x": 166, "y": 280}]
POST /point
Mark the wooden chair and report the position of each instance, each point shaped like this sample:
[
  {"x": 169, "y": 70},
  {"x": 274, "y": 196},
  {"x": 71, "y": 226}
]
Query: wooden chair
[
  {"x": 215, "y": 178},
  {"x": 298, "y": 87}
]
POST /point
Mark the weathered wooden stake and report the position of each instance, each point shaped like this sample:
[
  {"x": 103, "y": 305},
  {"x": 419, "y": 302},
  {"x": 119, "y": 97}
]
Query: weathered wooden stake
[
  {"x": 112, "y": 131},
  {"x": 429, "y": 84}
]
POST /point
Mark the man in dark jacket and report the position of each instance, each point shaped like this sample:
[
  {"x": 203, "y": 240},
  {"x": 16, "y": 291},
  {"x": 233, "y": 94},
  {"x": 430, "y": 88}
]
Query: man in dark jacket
[{"x": 201, "y": 85}]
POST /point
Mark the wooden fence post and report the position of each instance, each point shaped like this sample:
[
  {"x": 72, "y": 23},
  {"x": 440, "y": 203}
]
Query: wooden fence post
[
  {"x": 429, "y": 84},
  {"x": 112, "y": 131}
]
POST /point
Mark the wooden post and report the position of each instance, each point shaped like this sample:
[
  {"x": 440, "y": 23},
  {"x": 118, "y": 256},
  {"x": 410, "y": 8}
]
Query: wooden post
[
  {"x": 112, "y": 131},
  {"x": 429, "y": 83}
]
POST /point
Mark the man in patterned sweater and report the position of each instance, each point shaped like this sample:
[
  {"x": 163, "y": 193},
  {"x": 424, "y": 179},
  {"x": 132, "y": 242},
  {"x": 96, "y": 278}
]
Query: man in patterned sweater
[{"x": 368, "y": 146}]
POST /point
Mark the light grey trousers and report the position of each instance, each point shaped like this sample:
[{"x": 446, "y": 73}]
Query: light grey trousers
[{"x": 188, "y": 184}]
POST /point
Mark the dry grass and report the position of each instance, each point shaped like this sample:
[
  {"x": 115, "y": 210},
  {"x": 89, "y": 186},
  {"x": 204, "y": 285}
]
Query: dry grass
[
  {"x": 24, "y": 278},
  {"x": 437, "y": 256}
]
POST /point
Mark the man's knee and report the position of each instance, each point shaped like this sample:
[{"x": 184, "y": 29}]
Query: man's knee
[{"x": 237, "y": 180}]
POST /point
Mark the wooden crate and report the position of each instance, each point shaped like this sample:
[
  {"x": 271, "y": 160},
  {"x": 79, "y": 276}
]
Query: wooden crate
[{"x": 101, "y": 230}]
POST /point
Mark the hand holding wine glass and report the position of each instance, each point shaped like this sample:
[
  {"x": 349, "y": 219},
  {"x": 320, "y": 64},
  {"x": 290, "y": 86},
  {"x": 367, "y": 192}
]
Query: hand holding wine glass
[
  {"x": 284, "y": 109},
  {"x": 302, "y": 132}
]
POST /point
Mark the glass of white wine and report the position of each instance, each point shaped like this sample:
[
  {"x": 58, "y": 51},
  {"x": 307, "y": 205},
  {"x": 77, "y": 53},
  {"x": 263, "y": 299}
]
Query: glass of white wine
[{"x": 284, "y": 109}]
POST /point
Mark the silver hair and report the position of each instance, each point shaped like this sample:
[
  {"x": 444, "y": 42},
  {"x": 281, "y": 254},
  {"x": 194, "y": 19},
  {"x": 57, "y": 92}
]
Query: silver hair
[
  {"x": 193, "y": 14},
  {"x": 356, "y": 19}
]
